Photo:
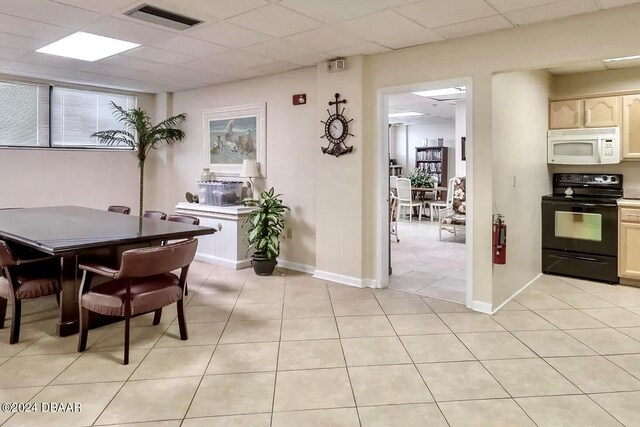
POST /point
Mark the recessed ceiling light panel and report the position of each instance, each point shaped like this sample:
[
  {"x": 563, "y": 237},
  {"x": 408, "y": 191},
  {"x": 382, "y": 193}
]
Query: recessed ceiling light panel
[
  {"x": 623, "y": 58},
  {"x": 87, "y": 47},
  {"x": 405, "y": 114},
  {"x": 442, "y": 92}
]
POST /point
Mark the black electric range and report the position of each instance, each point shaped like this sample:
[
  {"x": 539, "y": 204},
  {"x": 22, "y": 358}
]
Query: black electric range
[{"x": 580, "y": 226}]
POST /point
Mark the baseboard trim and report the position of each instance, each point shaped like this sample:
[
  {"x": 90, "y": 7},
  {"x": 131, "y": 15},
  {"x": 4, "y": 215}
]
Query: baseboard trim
[
  {"x": 508, "y": 300},
  {"x": 482, "y": 307},
  {"x": 303, "y": 268},
  {"x": 370, "y": 283},
  {"x": 338, "y": 278},
  {"x": 223, "y": 262}
]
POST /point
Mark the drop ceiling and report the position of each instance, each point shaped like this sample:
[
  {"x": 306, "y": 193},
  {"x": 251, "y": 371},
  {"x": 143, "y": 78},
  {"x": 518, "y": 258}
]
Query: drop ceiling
[
  {"x": 242, "y": 39},
  {"x": 435, "y": 111}
]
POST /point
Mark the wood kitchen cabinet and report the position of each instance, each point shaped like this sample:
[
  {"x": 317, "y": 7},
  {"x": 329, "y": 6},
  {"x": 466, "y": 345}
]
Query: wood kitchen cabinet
[
  {"x": 631, "y": 127},
  {"x": 565, "y": 114},
  {"x": 628, "y": 254},
  {"x": 602, "y": 112}
]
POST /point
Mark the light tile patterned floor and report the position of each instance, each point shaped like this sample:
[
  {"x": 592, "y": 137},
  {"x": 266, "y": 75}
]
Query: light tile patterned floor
[
  {"x": 427, "y": 266},
  {"x": 291, "y": 351}
]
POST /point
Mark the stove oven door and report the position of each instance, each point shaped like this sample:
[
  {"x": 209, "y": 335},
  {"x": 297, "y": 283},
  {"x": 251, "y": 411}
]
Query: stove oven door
[{"x": 577, "y": 226}]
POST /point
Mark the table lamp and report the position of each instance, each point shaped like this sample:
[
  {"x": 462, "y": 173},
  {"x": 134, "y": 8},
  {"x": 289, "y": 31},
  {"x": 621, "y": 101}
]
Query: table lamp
[{"x": 249, "y": 170}]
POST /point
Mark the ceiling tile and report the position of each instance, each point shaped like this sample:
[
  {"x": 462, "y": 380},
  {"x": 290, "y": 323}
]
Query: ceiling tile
[
  {"x": 158, "y": 55},
  {"x": 49, "y": 12},
  {"x": 190, "y": 46},
  {"x": 221, "y": 9},
  {"x": 390, "y": 29},
  {"x": 135, "y": 64},
  {"x": 128, "y": 31},
  {"x": 325, "y": 39},
  {"x": 241, "y": 58},
  {"x": 214, "y": 66},
  {"x": 511, "y": 5},
  {"x": 227, "y": 34},
  {"x": 477, "y": 26},
  {"x": 100, "y": 6},
  {"x": 547, "y": 12},
  {"x": 20, "y": 42},
  {"x": 438, "y": 13},
  {"x": 275, "y": 21},
  {"x": 360, "y": 49},
  {"x": 330, "y": 11},
  {"x": 283, "y": 51},
  {"x": 606, "y": 4},
  {"x": 274, "y": 68},
  {"x": 9, "y": 53},
  {"x": 36, "y": 30}
]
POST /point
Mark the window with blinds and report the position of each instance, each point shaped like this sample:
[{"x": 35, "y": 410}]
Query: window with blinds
[
  {"x": 24, "y": 115},
  {"x": 77, "y": 114}
]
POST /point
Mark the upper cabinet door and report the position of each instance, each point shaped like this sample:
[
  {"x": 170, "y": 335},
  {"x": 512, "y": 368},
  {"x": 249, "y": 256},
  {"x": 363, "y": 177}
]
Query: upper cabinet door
[
  {"x": 602, "y": 112},
  {"x": 631, "y": 127},
  {"x": 565, "y": 114}
]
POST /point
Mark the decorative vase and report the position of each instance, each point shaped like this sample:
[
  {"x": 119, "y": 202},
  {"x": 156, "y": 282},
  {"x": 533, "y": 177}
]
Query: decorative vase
[{"x": 205, "y": 175}]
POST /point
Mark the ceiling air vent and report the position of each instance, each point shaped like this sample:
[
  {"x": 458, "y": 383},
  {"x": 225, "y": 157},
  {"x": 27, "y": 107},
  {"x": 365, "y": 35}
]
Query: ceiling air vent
[{"x": 163, "y": 17}]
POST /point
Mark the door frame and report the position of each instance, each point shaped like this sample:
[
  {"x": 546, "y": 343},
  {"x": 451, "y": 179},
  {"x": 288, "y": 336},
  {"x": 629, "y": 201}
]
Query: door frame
[{"x": 382, "y": 176}]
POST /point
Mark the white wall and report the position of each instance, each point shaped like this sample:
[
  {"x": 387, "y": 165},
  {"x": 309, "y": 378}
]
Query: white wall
[
  {"x": 398, "y": 147},
  {"x": 461, "y": 130},
  {"x": 292, "y": 147},
  {"x": 520, "y": 123},
  {"x": 416, "y": 134},
  {"x": 54, "y": 177}
]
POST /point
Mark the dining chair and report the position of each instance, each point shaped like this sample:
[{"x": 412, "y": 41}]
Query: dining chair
[
  {"x": 184, "y": 219},
  {"x": 393, "y": 216},
  {"x": 154, "y": 215},
  {"x": 143, "y": 284},
  {"x": 405, "y": 198},
  {"x": 25, "y": 278},
  {"x": 126, "y": 210}
]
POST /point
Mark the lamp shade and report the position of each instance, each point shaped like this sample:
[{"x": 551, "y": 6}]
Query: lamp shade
[{"x": 249, "y": 169}]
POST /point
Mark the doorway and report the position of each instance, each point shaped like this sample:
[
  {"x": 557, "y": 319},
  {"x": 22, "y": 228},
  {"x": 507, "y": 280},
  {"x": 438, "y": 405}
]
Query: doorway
[{"x": 424, "y": 181}]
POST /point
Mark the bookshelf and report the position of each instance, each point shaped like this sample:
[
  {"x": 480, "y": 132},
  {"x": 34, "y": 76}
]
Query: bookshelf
[{"x": 433, "y": 160}]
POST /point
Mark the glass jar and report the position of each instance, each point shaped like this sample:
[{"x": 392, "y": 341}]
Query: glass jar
[{"x": 205, "y": 175}]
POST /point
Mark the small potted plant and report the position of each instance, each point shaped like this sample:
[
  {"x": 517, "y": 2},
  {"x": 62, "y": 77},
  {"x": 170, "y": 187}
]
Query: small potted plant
[
  {"x": 266, "y": 225},
  {"x": 421, "y": 179}
]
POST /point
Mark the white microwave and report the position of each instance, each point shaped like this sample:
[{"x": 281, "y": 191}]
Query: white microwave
[{"x": 587, "y": 146}]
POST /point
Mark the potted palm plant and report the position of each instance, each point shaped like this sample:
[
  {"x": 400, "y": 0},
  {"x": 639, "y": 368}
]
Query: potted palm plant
[
  {"x": 266, "y": 224},
  {"x": 141, "y": 135}
]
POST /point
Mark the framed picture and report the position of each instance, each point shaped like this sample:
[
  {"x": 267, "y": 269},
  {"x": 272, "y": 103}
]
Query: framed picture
[
  {"x": 232, "y": 134},
  {"x": 463, "y": 148}
]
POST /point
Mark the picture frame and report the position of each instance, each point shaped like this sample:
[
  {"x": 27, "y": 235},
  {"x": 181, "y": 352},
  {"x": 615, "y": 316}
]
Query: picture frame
[
  {"x": 463, "y": 148},
  {"x": 232, "y": 134}
]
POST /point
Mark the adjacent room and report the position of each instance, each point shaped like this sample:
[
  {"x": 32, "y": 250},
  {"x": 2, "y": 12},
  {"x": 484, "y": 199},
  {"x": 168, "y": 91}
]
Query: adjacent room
[{"x": 286, "y": 213}]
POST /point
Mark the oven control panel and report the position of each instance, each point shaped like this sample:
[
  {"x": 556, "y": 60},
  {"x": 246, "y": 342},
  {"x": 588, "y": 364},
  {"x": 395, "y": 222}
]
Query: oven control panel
[{"x": 587, "y": 179}]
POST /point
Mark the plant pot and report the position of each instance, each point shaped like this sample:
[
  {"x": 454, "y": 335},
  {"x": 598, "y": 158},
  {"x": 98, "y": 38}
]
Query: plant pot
[{"x": 263, "y": 266}]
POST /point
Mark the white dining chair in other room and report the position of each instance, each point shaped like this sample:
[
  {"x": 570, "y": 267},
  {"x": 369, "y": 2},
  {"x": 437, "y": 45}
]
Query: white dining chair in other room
[
  {"x": 405, "y": 198},
  {"x": 392, "y": 184}
]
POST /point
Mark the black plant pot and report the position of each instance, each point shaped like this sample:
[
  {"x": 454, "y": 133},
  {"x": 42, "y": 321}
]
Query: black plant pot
[{"x": 263, "y": 266}]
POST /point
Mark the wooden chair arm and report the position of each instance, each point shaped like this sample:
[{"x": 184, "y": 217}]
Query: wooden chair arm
[{"x": 99, "y": 269}]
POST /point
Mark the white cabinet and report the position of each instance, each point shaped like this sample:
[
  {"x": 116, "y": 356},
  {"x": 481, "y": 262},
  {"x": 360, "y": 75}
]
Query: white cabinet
[{"x": 227, "y": 247}]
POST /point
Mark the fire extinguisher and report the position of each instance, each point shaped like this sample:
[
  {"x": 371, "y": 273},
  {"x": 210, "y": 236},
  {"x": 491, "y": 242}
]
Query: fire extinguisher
[{"x": 499, "y": 240}]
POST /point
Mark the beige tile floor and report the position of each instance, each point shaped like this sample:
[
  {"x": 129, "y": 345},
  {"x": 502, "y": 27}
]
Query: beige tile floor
[
  {"x": 291, "y": 350},
  {"x": 427, "y": 266}
]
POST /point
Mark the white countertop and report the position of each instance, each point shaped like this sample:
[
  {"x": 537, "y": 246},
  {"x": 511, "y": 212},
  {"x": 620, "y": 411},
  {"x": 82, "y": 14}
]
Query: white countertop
[
  {"x": 227, "y": 210},
  {"x": 629, "y": 203}
]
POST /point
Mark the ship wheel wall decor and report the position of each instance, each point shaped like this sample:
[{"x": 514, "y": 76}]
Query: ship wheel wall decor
[{"x": 336, "y": 130}]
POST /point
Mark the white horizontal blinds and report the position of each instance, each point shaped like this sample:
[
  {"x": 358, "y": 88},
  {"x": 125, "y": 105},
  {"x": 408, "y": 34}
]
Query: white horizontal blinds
[
  {"x": 77, "y": 114},
  {"x": 24, "y": 115}
]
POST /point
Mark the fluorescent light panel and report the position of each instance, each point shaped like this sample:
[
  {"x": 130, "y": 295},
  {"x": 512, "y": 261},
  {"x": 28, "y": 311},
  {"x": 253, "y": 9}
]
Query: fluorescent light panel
[
  {"x": 87, "y": 47},
  {"x": 442, "y": 92},
  {"x": 624, "y": 58},
  {"x": 407, "y": 114}
]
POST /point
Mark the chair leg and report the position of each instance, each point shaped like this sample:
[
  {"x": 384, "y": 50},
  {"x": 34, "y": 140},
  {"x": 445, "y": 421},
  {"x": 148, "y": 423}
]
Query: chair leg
[
  {"x": 186, "y": 288},
  {"x": 127, "y": 327},
  {"x": 420, "y": 213},
  {"x": 58, "y": 298},
  {"x": 157, "y": 316},
  {"x": 181, "y": 321},
  {"x": 440, "y": 233},
  {"x": 3, "y": 311},
  {"x": 84, "y": 329},
  {"x": 15, "y": 322}
]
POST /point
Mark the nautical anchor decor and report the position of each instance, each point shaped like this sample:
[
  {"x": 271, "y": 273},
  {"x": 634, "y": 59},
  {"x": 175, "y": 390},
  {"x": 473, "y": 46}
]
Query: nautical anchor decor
[{"x": 336, "y": 129}]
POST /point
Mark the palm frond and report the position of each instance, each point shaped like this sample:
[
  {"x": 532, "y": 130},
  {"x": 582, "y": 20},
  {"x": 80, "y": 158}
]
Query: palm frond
[
  {"x": 171, "y": 122},
  {"x": 115, "y": 137}
]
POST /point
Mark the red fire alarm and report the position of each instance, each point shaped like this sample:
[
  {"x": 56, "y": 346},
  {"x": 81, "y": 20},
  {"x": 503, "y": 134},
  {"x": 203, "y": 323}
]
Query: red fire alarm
[{"x": 300, "y": 99}]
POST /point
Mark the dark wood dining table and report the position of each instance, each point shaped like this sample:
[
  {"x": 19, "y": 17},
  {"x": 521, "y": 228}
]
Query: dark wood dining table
[{"x": 75, "y": 233}]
